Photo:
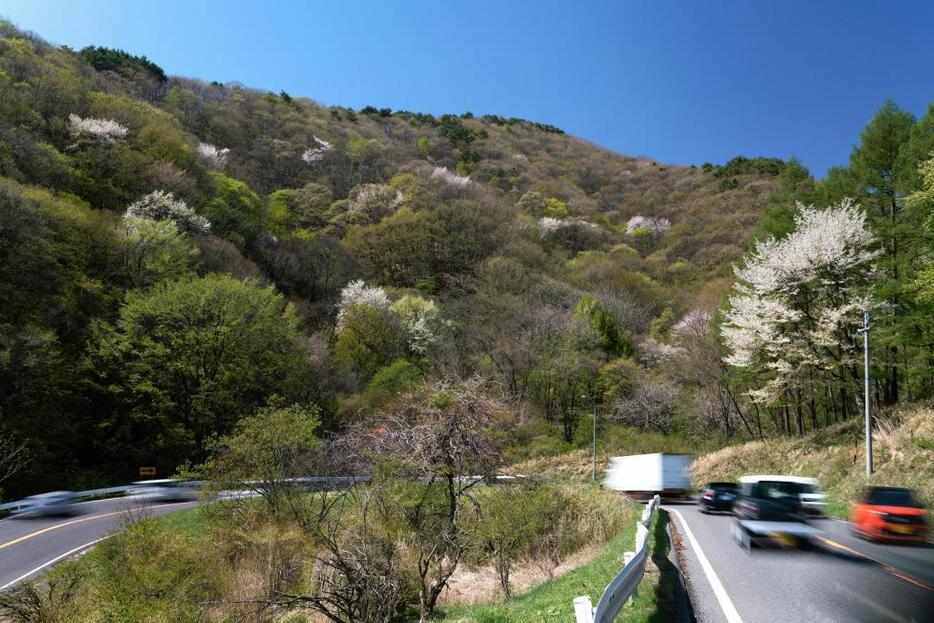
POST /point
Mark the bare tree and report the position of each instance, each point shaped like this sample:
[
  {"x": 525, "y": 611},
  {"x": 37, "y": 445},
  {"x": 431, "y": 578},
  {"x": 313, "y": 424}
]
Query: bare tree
[
  {"x": 13, "y": 457},
  {"x": 444, "y": 439}
]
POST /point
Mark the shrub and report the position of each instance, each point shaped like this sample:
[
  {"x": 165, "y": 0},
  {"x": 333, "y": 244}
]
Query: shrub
[
  {"x": 234, "y": 210},
  {"x": 148, "y": 572},
  {"x": 389, "y": 380}
]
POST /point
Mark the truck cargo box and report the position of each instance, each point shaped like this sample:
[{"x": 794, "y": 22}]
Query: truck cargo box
[{"x": 650, "y": 473}]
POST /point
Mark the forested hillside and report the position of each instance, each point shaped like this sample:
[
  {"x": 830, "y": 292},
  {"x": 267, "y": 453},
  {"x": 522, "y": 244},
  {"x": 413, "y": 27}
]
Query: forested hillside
[{"x": 176, "y": 255}]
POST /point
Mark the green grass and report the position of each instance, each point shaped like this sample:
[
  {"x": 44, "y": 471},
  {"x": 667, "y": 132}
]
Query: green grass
[
  {"x": 190, "y": 521},
  {"x": 552, "y": 600},
  {"x": 655, "y": 599}
]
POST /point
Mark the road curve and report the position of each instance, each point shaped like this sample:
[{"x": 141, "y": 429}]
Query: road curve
[
  {"x": 29, "y": 546},
  {"x": 840, "y": 579}
]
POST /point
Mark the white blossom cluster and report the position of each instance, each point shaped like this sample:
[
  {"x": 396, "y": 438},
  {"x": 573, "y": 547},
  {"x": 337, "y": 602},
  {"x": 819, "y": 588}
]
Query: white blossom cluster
[
  {"x": 655, "y": 225},
  {"x": 550, "y": 225},
  {"x": 450, "y": 178},
  {"x": 314, "y": 154},
  {"x": 419, "y": 318},
  {"x": 695, "y": 321},
  {"x": 796, "y": 299},
  {"x": 358, "y": 293},
  {"x": 104, "y": 131},
  {"x": 163, "y": 206},
  {"x": 652, "y": 352},
  {"x": 371, "y": 202},
  {"x": 212, "y": 156}
]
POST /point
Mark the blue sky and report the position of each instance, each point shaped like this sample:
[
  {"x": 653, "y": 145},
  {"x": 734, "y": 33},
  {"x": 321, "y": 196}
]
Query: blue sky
[{"x": 684, "y": 82}]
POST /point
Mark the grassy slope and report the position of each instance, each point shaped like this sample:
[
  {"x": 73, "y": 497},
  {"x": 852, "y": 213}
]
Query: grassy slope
[
  {"x": 553, "y": 600},
  {"x": 903, "y": 453}
]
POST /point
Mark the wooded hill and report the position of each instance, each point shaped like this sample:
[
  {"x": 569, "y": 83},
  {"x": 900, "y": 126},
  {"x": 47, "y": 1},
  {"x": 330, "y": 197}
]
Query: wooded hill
[{"x": 175, "y": 254}]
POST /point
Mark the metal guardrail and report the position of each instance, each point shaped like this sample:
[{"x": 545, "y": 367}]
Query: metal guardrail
[
  {"x": 81, "y": 495},
  {"x": 249, "y": 485},
  {"x": 624, "y": 585}
]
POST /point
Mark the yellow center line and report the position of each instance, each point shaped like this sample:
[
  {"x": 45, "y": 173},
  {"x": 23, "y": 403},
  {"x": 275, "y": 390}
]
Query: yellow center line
[
  {"x": 896, "y": 572},
  {"x": 74, "y": 521}
]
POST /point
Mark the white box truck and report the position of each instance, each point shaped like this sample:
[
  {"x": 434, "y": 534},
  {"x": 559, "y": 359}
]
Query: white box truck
[{"x": 644, "y": 475}]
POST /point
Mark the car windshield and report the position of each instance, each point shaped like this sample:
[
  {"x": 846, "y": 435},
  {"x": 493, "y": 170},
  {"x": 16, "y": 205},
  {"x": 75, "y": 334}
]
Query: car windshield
[
  {"x": 891, "y": 497},
  {"x": 778, "y": 489}
]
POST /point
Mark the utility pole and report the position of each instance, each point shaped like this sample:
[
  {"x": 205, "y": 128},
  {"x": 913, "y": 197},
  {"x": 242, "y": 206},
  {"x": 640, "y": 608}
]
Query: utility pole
[
  {"x": 593, "y": 464},
  {"x": 864, "y": 330}
]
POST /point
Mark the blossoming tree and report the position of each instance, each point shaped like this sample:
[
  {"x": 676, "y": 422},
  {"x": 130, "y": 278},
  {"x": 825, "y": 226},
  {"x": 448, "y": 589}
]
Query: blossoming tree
[{"x": 796, "y": 306}]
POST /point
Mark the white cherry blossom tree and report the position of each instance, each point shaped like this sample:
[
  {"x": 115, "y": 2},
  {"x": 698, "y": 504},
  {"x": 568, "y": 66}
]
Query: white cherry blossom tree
[{"x": 797, "y": 301}]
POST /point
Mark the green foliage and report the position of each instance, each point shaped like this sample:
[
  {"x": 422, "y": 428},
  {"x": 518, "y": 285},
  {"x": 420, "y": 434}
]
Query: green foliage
[
  {"x": 537, "y": 205},
  {"x": 110, "y": 59},
  {"x": 741, "y": 165},
  {"x": 458, "y": 133},
  {"x": 597, "y": 513},
  {"x": 153, "y": 251},
  {"x": 267, "y": 444},
  {"x": 190, "y": 357},
  {"x": 148, "y": 572},
  {"x": 617, "y": 379},
  {"x": 368, "y": 339},
  {"x": 234, "y": 210},
  {"x": 398, "y": 376},
  {"x": 614, "y": 342}
]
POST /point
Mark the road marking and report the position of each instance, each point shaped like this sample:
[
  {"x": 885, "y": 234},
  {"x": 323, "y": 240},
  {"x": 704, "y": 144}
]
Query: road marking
[
  {"x": 52, "y": 562},
  {"x": 726, "y": 604},
  {"x": 896, "y": 572},
  {"x": 74, "y": 521}
]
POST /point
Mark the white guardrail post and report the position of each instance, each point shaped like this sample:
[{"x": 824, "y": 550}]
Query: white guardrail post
[{"x": 623, "y": 587}]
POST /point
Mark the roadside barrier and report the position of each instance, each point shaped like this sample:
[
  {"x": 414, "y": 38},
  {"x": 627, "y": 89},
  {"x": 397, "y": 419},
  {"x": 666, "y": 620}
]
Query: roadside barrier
[{"x": 624, "y": 585}]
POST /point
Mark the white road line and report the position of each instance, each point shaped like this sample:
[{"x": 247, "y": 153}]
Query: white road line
[
  {"x": 729, "y": 610},
  {"x": 52, "y": 562}
]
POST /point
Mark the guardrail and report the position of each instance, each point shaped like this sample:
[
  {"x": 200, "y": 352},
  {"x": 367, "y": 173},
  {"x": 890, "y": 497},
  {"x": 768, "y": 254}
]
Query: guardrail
[
  {"x": 81, "y": 495},
  {"x": 310, "y": 482},
  {"x": 624, "y": 585}
]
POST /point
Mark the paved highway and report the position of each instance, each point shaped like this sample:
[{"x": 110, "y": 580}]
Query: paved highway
[
  {"x": 840, "y": 579},
  {"x": 29, "y": 546}
]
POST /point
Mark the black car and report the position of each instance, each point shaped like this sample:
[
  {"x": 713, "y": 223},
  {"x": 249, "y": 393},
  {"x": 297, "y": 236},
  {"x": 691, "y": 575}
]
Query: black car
[
  {"x": 769, "y": 498},
  {"x": 718, "y": 496}
]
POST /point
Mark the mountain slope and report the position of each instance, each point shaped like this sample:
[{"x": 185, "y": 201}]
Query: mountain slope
[{"x": 503, "y": 248}]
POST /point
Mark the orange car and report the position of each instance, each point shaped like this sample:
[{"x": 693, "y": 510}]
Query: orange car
[{"x": 889, "y": 514}]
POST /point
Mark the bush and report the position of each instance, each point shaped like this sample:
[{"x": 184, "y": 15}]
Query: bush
[
  {"x": 149, "y": 573},
  {"x": 398, "y": 376},
  {"x": 233, "y": 209},
  {"x": 543, "y": 523}
]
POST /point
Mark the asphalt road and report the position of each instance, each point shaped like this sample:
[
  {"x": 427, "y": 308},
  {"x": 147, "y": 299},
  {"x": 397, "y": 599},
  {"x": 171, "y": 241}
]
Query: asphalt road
[
  {"x": 29, "y": 546},
  {"x": 840, "y": 578}
]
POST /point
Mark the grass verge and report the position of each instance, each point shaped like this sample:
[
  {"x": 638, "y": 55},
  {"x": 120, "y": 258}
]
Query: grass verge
[{"x": 552, "y": 600}]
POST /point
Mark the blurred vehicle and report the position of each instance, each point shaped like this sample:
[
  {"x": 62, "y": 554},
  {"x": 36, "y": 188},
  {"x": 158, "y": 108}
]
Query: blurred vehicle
[
  {"x": 52, "y": 504},
  {"x": 718, "y": 496},
  {"x": 770, "y": 508},
  {"x": 643, "y": 475},
  {"x": 889, "y": 514},
  {"x": 163, "y": 490},
  {"x": 812, "y": 500}
]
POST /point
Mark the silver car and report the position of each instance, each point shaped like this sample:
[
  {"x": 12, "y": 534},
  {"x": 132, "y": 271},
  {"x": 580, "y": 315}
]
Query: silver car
[
  {"x": 163, "y": 490},
  {"x": 52, "y": 504}
]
